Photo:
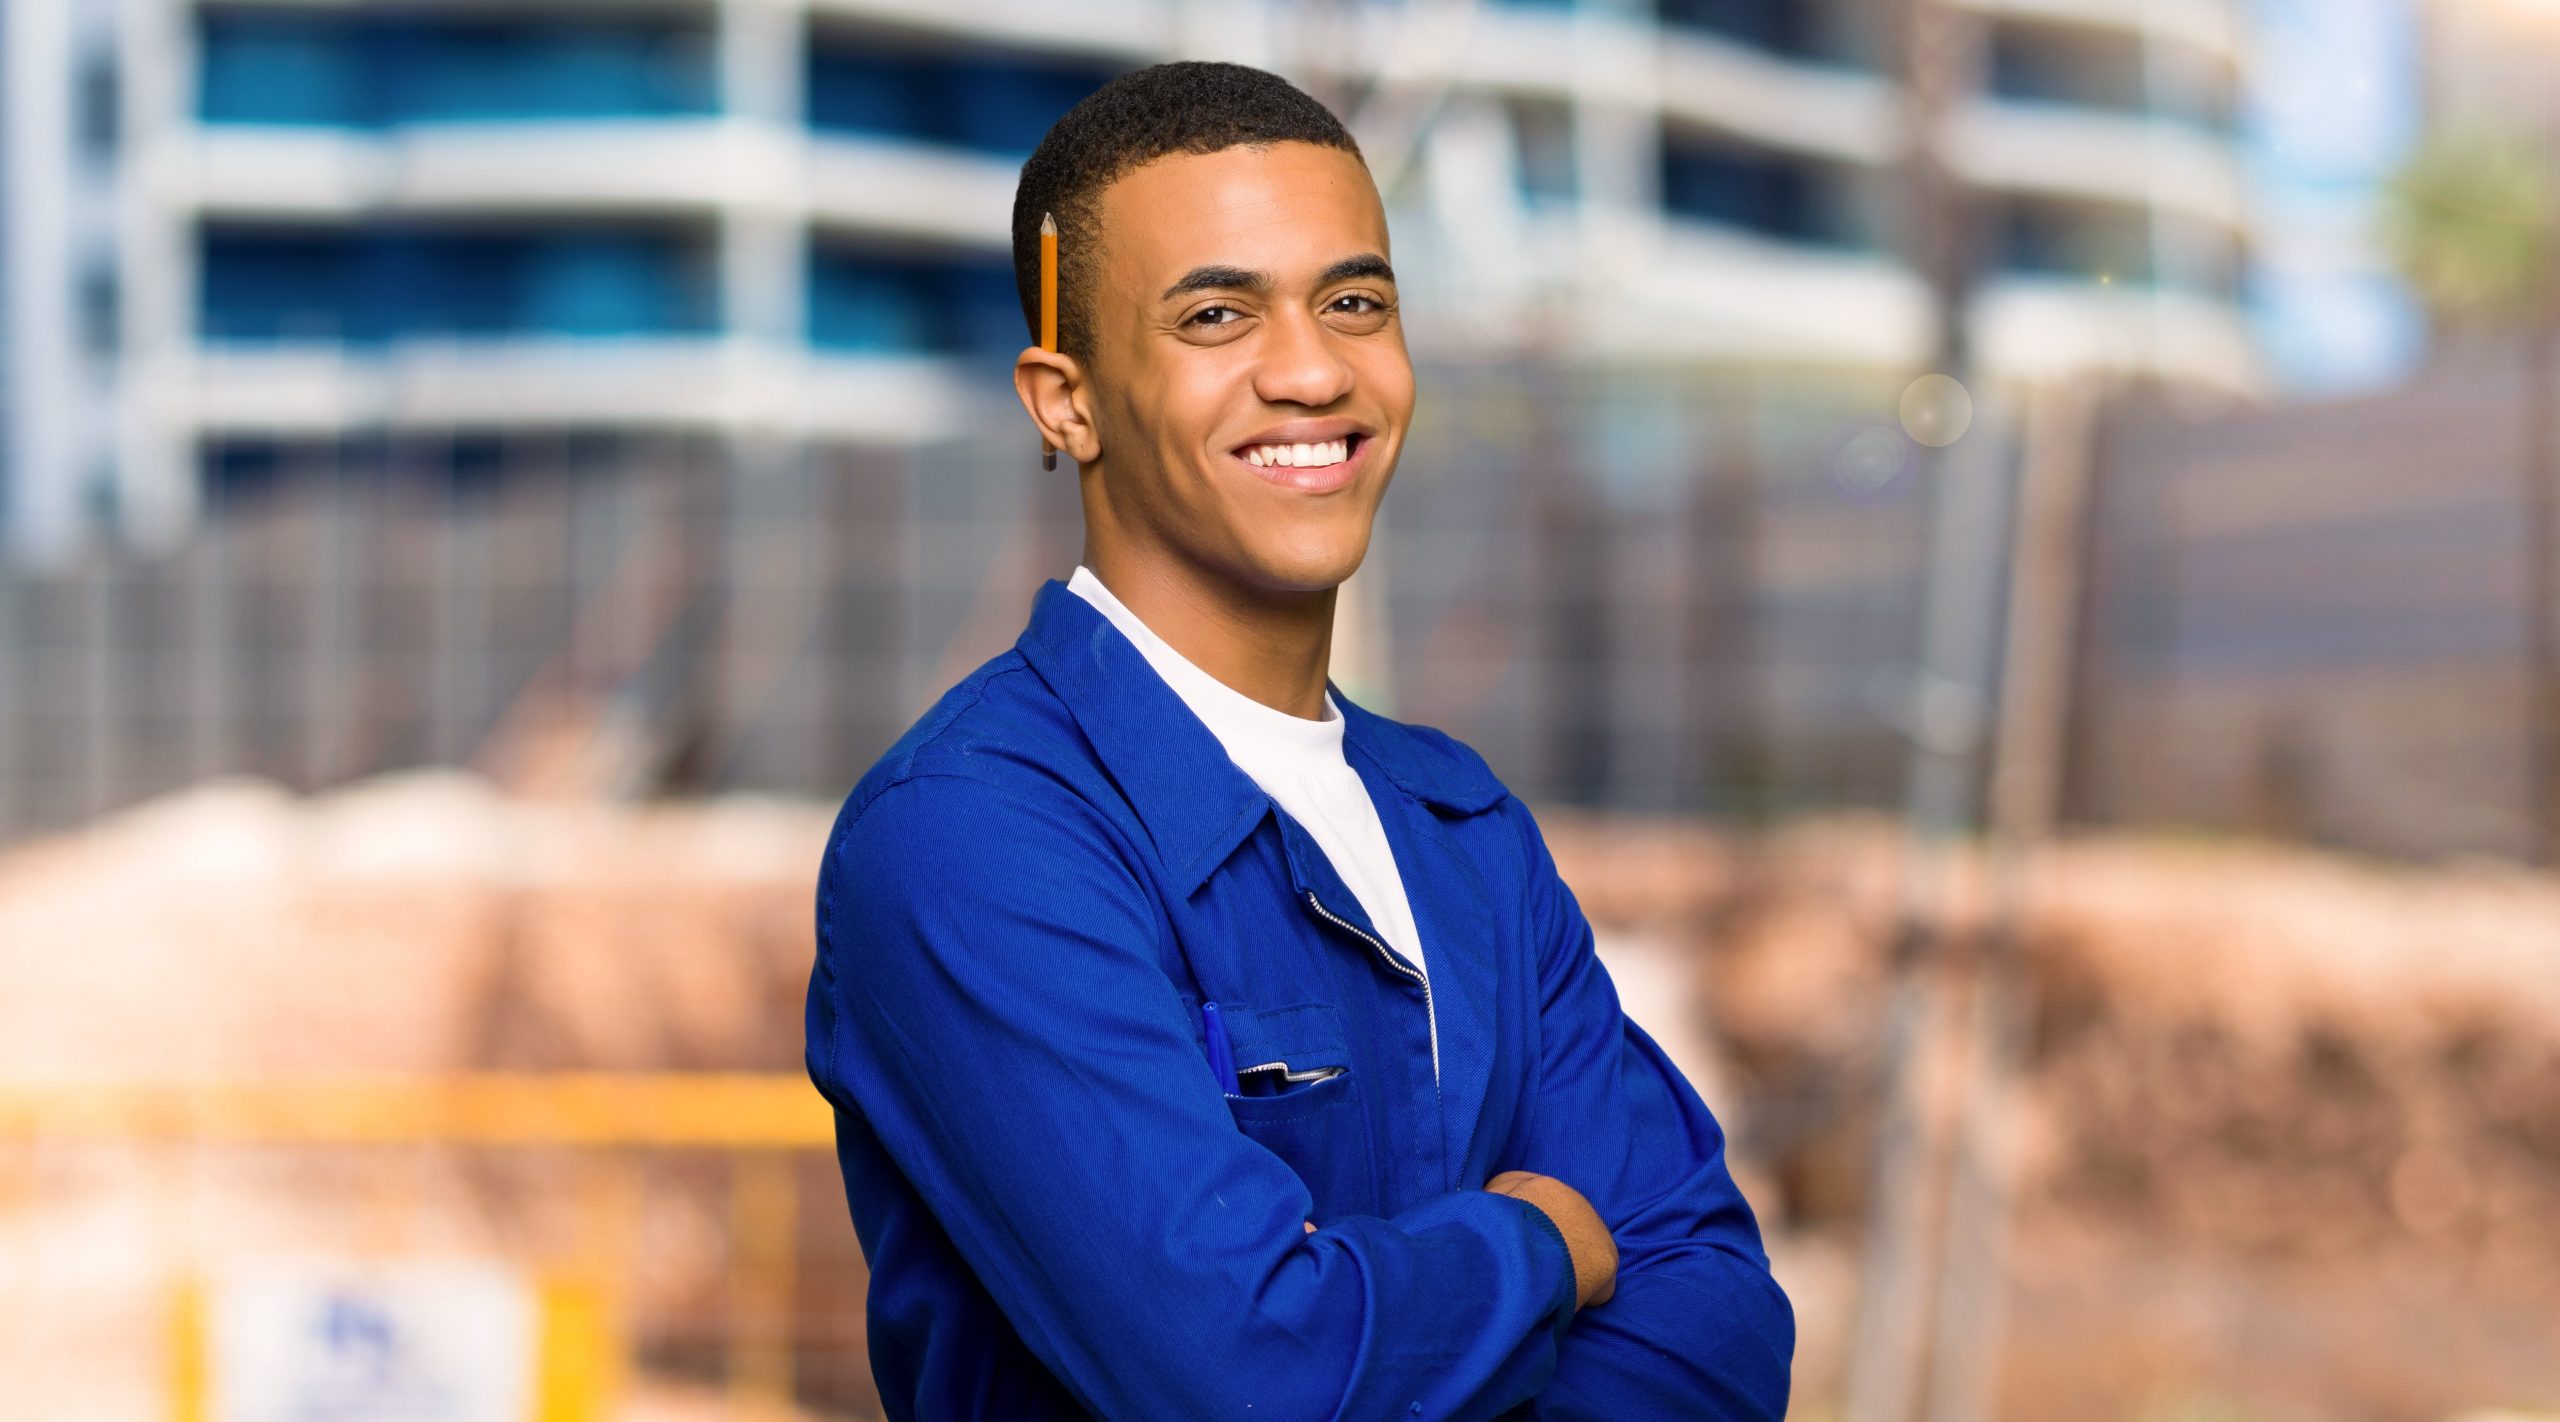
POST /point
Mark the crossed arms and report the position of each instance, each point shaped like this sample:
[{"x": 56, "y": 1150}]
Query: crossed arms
[{"x": 1002, "y": 1024}]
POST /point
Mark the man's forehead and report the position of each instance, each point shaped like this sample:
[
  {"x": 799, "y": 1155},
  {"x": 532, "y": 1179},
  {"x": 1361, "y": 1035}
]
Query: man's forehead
[{"x": 1275, "y": 208}]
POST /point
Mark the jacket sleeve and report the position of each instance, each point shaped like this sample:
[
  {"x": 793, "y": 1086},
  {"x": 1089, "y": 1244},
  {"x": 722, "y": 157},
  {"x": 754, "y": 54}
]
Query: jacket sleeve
[
  {"x": 988, "y": 996},
  {"x": 1698, "y": 1328}
]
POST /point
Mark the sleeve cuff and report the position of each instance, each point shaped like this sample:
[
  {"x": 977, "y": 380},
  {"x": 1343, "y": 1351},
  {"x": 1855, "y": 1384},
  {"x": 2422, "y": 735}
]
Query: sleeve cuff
[{"x": 1563, "y": 1253}]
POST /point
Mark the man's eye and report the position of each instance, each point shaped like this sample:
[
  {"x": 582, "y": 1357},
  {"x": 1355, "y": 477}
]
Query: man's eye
[
  {"x": 1206, "y": 310},
  {"x": 1374, "y": 303}
]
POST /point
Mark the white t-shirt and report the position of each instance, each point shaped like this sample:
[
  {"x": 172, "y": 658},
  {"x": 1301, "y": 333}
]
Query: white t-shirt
[{"x": 1297, "y": 762}]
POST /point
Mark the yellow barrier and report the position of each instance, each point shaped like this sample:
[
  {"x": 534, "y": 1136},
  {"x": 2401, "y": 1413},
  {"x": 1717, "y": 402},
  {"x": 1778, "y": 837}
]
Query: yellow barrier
[
  {"x": 188, "y": 1401},
  {"x": 758, "y": 1118},
  {"x": 667, "y": 1110},
  {"x": 577, "y": 1354}
]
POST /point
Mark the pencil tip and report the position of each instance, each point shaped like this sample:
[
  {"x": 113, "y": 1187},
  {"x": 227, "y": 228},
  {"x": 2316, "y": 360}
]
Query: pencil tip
[{"x": 1048, "y": 225}]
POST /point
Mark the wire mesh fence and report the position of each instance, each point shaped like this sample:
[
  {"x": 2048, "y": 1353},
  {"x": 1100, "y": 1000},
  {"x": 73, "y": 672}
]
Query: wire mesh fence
[
  {"x": 1624, "y": 593},
  {"x": 1665, "y": 592}
]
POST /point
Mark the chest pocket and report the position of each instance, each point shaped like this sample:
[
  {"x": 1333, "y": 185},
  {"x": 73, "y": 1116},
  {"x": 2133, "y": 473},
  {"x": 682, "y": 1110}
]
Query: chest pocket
[{"x": 1302, "y": 1100}]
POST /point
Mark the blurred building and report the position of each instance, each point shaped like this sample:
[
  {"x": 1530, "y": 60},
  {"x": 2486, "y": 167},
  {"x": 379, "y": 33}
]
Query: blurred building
[
  {"x": 238, "y": 229},
  {"x": 60, "y": 261}
]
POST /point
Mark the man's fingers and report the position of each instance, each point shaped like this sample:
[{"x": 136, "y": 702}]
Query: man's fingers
[{"x": 1586, "y": 1235}]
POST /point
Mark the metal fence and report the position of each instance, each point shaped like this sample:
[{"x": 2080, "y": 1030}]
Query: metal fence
[
  {"x": 1656, "y": 594},
  {"x": 1688, "y": 592}
]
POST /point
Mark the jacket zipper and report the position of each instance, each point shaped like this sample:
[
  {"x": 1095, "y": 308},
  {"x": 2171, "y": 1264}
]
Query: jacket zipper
[{"x": 1401, "y": 966}]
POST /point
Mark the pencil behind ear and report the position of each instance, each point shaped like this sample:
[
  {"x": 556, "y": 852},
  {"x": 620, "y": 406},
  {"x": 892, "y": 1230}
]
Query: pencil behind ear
[{"x": 1048, "y": 308}]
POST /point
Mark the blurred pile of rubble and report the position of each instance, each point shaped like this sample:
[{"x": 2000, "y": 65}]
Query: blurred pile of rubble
[
  {"x": 2288, "y": 1127},
  {"x": 413, "y": 923}
]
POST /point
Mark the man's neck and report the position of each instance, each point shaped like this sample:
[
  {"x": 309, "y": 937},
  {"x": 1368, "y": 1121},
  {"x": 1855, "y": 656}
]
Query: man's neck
[{"x": 1274, "y": 648}]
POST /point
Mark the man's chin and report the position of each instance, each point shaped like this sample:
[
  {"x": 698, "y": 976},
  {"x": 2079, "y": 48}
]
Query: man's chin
[{"x": 1306, "y": 568}]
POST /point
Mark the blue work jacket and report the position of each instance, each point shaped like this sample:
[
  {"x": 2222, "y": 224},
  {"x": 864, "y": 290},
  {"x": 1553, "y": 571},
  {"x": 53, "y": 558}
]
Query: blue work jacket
[{"x": 1023, "y": 905}]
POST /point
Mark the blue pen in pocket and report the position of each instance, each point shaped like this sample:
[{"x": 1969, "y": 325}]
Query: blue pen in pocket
[{"x": 1222, "y": 1057}]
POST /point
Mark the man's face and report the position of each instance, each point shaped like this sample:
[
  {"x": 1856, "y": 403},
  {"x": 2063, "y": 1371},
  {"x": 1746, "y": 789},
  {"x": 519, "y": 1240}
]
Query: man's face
[{"x": 1250, "y": 384}]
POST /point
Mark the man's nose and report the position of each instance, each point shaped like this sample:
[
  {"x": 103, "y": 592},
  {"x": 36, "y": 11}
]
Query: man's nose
[{"x": 1300, "y": 363}]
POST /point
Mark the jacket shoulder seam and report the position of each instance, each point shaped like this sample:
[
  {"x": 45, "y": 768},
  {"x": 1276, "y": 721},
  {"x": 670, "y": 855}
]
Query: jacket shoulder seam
[
  {"x": 907, "y": 767},
  {"x": 837, "y": 840}
]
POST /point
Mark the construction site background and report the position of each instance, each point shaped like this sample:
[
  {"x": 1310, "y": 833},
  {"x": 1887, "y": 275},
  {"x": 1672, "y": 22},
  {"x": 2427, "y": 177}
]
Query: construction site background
[
  {"x": 2076, "y": 792},
  {"x": 395, "y": 864}
]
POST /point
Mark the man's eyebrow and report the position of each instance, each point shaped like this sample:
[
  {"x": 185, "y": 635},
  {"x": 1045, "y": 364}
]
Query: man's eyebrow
[
  {"x": 1367, "y": 264},
  {"x": 1218, "y": 279},
  {"x": 1215, "y": 278}
]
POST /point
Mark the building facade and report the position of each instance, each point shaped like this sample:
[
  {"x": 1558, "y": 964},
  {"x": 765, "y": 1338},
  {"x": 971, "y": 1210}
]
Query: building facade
[{"x": 238, "y": 227}]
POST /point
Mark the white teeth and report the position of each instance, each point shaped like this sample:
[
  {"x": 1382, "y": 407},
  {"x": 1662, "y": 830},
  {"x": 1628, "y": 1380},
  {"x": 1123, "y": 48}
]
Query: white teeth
[{"x": 1299, "y": 456}]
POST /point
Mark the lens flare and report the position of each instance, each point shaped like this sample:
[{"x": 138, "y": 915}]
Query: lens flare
[{"x": 1936, "y": 410}]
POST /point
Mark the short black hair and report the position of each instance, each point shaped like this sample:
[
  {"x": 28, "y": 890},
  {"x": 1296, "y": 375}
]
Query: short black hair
[{"x": 1186, "y": 106}]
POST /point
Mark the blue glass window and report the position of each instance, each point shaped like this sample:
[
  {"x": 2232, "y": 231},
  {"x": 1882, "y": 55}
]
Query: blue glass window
[
  {"x": 2052, "y": 64},
  {"x": 902, "y": 303},
  {"x": 239, "y": 468},
  {"x": 2057, "y": 65},
  {"x": 1759, "y": 192},
  {"x": 446, "y": 69},
  {"x": 1783, "y": 26},
  {"x": 364, "y": 286},
  {"x": 283, "y": 68},
  {"x": 1549, "y": 165},
  {"x": 991, "y": 102},
  {"x": 2063, "y": 239},
  {"x": 364, "y": 69},
  {"x": 280, "y": 285}
]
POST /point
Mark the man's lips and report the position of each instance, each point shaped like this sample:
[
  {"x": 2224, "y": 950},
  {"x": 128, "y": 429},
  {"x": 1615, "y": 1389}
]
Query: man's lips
[{"x": 1317, "y": 479}]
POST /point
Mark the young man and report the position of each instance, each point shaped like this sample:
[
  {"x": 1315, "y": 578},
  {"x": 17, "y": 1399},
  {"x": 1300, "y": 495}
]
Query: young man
[{"x": 1435, "y": 1172}]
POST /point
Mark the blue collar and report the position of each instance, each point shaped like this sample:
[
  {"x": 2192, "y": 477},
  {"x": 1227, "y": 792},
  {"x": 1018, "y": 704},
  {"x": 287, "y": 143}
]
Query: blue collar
[{"x": 1194, "y": 801}]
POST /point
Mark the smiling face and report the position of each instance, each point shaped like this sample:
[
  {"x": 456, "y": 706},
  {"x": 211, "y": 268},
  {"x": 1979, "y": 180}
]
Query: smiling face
[{"x": 1249, "y": 388}]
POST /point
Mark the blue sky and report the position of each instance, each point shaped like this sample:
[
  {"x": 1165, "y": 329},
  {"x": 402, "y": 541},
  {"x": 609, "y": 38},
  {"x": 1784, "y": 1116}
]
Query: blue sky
[{"x": 2335, "y": 104}]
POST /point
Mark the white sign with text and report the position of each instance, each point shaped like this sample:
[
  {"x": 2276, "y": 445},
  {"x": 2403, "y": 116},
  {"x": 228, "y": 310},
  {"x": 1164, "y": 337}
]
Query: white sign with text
[{"x": 336, "y": 1341}]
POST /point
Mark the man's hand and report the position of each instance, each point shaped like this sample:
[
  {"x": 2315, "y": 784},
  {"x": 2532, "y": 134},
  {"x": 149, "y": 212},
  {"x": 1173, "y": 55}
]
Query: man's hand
[{"x": 1595, "y": 1253}]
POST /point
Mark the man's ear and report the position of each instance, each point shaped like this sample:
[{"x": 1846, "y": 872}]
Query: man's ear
[{"x": 1052, "y": 387}]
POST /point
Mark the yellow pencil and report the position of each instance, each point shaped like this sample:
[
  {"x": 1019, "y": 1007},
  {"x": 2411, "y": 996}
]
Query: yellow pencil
[{"x": 1048, "y": 308}]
